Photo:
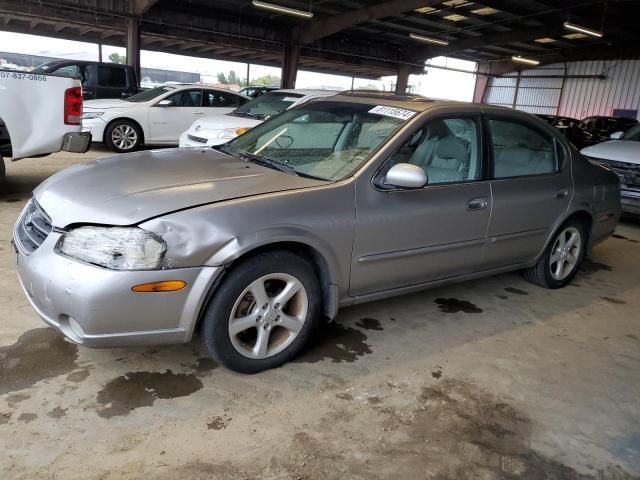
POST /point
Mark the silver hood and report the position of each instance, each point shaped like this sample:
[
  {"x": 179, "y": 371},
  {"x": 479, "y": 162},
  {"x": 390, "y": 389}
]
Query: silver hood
[
  {"x": 627, "y": 151},
  {"x": 128, "y": 189}
]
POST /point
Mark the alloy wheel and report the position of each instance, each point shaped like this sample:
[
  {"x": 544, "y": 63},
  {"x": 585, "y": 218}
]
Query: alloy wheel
[
  {"x": 268, "y": 315},
  {"x": 565, "y": 253},
  {"x": 124, "y": 137}
]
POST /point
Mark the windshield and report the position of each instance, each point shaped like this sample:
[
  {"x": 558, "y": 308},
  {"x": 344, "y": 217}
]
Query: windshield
[
  {"x": 633, "y": 134},
  {"x": 268, "y": 104},
  {"x": 150, "y": 94},
  {"x": 325, "y": 140}
]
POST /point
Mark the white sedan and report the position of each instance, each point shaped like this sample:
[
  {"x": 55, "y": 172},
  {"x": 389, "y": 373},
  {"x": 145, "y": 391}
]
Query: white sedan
[
  {"x": 221, "y": 127},
  {"x": 622, "y": 155},
  {"x": 154, "y": 117}
]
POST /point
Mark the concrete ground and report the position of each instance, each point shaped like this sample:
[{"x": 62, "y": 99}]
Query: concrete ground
[{"x": 489, "y": 379}]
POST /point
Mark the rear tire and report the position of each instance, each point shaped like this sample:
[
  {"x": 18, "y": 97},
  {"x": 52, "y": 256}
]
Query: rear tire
[
  {"x": 562, "y": 258},
  {"x": 123, "y": 136},
  {"x": 263, "y": 312}
]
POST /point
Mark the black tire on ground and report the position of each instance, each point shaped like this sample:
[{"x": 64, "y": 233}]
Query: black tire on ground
[
  {"x": 116, "y": 130},
  {"x": 217, "y": 315},
  {"x": 541, "y": 274}
]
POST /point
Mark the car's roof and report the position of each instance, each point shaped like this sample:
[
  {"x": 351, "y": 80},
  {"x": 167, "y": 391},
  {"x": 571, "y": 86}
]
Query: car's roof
[
  {"x": 409, "y": 101},
  {"x": 307, "y": 91}
]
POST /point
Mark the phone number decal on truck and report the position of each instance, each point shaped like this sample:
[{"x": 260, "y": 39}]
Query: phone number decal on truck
[{"x": 23, "y": 76}]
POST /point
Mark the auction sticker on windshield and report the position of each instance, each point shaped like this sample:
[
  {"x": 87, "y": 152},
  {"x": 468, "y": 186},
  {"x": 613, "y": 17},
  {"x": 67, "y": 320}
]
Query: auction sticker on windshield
[{"x": 393, "y": 112}]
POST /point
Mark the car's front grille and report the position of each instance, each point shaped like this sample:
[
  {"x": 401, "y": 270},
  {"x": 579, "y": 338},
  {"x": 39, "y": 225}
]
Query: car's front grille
[
  {"x": 629, "y": 173},
  {"x": 197, "y": 139},
  {"x": 32, "y": 228}
]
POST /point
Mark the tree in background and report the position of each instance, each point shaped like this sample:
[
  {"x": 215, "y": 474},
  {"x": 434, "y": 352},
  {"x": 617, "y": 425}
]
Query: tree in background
[
  {"x": 233, "y": 78},
  {"x": 266, "y": 80},
  {"x": 115, "y": 57},
  {"x": 222, "y": 78}
]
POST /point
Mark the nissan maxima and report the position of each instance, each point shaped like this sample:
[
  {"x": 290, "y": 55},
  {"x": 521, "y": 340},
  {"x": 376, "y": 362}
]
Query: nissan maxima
[{"x": 342, "y": 200}]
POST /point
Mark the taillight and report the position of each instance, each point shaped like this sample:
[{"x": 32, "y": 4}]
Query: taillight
[{"x": 73, "y": 106}]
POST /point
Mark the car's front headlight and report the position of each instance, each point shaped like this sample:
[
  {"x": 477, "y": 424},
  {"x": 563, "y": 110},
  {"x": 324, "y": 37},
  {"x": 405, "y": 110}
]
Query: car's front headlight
[
  {"x": 117, "y": 248},
  {"x": 229, "y": 133},
  {"x": 90, "y": 115}
]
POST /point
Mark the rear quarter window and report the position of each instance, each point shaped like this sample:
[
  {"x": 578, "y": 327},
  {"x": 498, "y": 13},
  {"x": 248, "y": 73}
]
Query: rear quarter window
[{"x": 114, "y": 77}]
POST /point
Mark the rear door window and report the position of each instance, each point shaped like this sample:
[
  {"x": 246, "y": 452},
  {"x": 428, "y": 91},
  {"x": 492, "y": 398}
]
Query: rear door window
[
  {"x": 520, "y": 150},
  {"x": 221, "y": 99},
  {"x": 113, "y": 77}
]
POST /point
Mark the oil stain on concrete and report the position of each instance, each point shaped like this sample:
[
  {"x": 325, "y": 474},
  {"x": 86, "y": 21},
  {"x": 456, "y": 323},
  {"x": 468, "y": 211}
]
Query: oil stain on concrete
[
  {"x": 453, "y": 305},
  {"x": 218, "y": 423},
  {"x": 613, "y": 300},
  {"x": 369, "y": 324},
  {"x": 453, "y": 431},
  {"x": 57, "y": 412},
  {"x": 37, "y": 355},
  {"x": 79, "y": 376},
  {"x": 140, "y": 389},
  {"x": 622, "y": 237},
  {"x": 517, "y": 291},
  {"x": 27, "y": 417},
  {"x": 337, "y": 343},
  {"x": 204, "y": 366}
]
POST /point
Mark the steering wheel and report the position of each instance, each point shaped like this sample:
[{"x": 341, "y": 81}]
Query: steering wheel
[{"x": 284, "y": 137}]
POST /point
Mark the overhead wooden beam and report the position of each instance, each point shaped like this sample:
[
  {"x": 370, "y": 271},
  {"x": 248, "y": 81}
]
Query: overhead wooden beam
[
  {"x": 140, "y": 7},
  {"x": 336, "y": 23}
]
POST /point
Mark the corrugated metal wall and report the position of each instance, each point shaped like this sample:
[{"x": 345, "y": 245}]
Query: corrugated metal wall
[{"x": 573, "y": 97}]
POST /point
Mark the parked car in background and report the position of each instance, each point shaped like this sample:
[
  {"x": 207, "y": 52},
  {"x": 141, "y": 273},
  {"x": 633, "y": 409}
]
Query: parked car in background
[
  {"x": 338, "y": 201},
  {"x": 256, "y": 91},
  {"x": 99, "y": 80},
  {"x": 622, "y": 155},
  {"x": 156, "y": 116},
  {"x": 566, "y": 125},
  {"x": 593, "y": 130},
  {"x": 39, "y": 114},
  {"x": 218, "y": 129}
]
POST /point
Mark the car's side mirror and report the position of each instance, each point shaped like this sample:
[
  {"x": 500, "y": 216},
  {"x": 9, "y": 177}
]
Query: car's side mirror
[
  {"x": 406, "y": 175},
  {"x": 616, "y": 135},
  {"x": 165, "y": 103}
]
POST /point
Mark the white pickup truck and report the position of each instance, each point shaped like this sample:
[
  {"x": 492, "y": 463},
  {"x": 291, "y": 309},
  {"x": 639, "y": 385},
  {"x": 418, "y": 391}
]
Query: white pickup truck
[{"x": 39, "y": 114}]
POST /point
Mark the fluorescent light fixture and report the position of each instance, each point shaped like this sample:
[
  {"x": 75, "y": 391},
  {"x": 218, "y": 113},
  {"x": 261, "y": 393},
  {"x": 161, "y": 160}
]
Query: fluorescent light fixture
[
  {"x": 528, "y": 61},
  {"x": 485, "y": 11},
  {"x": 544, "y": 40},
  {"x": 585, "y": 30},
  {"x": 425, "y": 10},
  {"x": 280, "y": 9},
  {"x": 454, "y": 17},
  {"x": 575, "y": 36},
  {"x": 422, "y": 38}
]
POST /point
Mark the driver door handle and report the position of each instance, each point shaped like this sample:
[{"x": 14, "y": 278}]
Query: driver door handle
[
  {"x": 563, "y": 193},
  {"x": 479, "y": 203}
]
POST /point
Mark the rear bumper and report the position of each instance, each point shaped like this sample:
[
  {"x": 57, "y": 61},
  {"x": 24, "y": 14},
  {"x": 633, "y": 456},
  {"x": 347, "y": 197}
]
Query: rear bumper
[
  {"x": 77, "y": 142},
  {"x": 95, "y": 306}
]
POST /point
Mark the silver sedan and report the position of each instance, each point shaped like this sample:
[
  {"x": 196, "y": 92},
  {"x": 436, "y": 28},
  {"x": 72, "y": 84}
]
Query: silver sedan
[{"x": 343, "y": 200}]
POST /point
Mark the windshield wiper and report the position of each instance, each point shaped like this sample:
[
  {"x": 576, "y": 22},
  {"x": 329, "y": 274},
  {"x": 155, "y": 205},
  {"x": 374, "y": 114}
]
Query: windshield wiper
[
  {"x": 245, "y": 114},
  {"x": 267, "y": 162}
]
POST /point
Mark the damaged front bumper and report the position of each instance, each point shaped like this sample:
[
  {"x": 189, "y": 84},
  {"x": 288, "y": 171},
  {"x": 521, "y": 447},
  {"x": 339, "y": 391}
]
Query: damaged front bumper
[{"x": 96, "y": 307}]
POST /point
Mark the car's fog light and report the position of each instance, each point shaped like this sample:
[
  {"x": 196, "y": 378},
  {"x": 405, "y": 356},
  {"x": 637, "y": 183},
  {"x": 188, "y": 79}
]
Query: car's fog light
[{"x": 164, "y": 286}]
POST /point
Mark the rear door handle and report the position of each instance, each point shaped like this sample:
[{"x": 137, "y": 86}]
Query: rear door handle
[
  {"x": 198, "y": 113},
  {"x": 560, "y": 194},
  {"x": 477, "y": 203}
]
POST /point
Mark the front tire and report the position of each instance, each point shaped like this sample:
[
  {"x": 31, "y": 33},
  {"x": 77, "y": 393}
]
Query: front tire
[
  {"x": 263, "y": 312},
  {"x": 123, "y": 136},
  {"x": 562, "y": 258},
  {"x": 2, "y": 170}
]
